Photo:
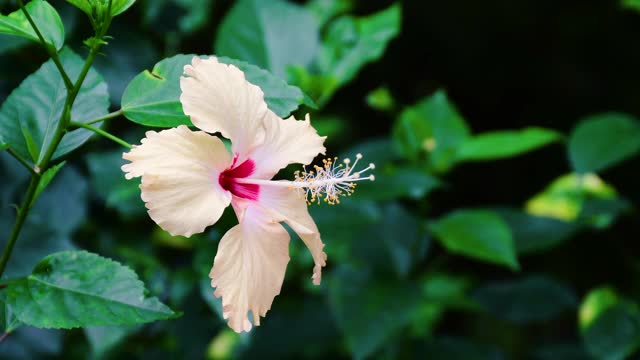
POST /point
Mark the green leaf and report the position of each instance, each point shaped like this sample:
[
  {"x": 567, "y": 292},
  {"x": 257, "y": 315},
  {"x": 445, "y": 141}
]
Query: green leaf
[
  {"x": 409, "y": 249},
  {"x": 325, "y": 10},
  {"x": 595, "y": 303},
  {"x": 630, "y": 4},
  {"x": 46, "y": 178},
  {"x": 505, "y": 144},
  {"x": 615, "y": 334},
  {"x": 111, "y": 186},
  {"x": 534, "y": 298},
  {"x": 280, "y": 97},
  {"x": 270, "y": 34},
  {"x": 91, "y": 7},
  {"x": 76, "y": 289},
  {"x": 388, "y": 304},
  {"x": 63, "y": 207},
  {"x": 479, "y": 234},
  {"x": 609, "y": 324},
  {"x": 603, "y": 140},
  {"x": 153, "y": 97},
  {"x": 37, "y": 104},
  {"x": 8, "y": 322},
  {"x": 44, "y": 16},
  {"x": 58, "y": 212},
  {"x": 381, "y": 99},
  {"x": 397, "y": 182},
  {"x": 535, "y": 234},
  {"x": 122, "y": 60},
  {"x": 104, "y": 338},
  {"x": 10, "y": 43},
  {"x": 431, "y": 128},
  {"x": 567, "y": 198},
  {"x": 351, "y": 43}
]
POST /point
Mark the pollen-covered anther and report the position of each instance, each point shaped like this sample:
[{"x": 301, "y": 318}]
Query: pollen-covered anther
[{"x": 330, "y": 181}]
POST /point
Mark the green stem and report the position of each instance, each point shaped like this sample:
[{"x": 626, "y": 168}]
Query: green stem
[
  {"x": 106, "y": 117},
  {"x": 52, "y": 52},
  {"x": 61, "y": 128},
  {"x": 22, "y": 161},
  {"x": 101, "y": 132},
  {"x": 22, "y": 216}
]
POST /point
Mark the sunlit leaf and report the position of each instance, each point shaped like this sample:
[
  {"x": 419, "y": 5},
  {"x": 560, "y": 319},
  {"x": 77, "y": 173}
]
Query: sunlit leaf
[
  {"x": 601, "y": 141},
  {"x": 595, "y": 303},
  {"x": 153, "y": 97},
  {"x": 610, "y": 325},
  {"x": 32, "y": 112},
  {"x": 531, "y": 299},
  {"x": 575, "y": 197},
  {"x": 44, "y": 16},
  {"x": 269, "y": 34},
  {"x": 76, "y": 288},
  {"x": 479, "y": 234},
  {"x": 615, "y": 333},
  {"x": 504, "y": 144}
]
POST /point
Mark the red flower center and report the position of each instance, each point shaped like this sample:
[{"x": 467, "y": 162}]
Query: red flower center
[{"x": 228, "y": 178}]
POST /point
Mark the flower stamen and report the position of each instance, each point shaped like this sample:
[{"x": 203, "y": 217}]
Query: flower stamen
[
  {"x": 326, "y": 183},
  {"x": 330, "y": 181}
]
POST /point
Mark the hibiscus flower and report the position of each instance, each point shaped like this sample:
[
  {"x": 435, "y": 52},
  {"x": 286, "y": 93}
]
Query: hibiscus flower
[{"x": 190, "y": 177}]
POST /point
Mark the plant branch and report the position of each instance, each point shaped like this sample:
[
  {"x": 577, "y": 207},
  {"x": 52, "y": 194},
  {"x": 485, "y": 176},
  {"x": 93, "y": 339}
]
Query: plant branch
[
  {"x": 4, "y": 336},
  {"x": 17, "y": 226},
  {"x": 60, "y": 130},
  {"x": 101, "y": 132},
  {"x": 52, "y": 51},
  {"x": 22, "y": 161},
  {"x": 106, "y": 117}
]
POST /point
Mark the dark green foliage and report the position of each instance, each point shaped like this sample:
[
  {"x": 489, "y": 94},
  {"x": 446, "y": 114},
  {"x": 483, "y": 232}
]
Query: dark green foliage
[{"x": 502, "y": 222}]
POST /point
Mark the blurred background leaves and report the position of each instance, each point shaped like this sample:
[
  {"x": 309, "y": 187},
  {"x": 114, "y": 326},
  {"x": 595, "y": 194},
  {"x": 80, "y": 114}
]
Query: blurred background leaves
[{"x": 502, "y": 221}]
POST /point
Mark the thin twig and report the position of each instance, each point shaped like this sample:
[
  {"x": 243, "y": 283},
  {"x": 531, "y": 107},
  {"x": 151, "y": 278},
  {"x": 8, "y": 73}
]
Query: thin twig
[
  {"x": 22, "y": 161},
  {"x": 52, "y": 52},
  {"x": 101, "y": 132},
  {"x": 106, "y": 117}
]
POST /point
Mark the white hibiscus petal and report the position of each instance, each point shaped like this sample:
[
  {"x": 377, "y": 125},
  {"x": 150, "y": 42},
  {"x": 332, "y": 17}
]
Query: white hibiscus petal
[
  {"x": 286, "y": 142},
  {"x": 218, "y": 98},
  {"x": 249, "y": 268},
  {"x": 287, "y": 205},
  {"x": 180, "y": 169}
]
